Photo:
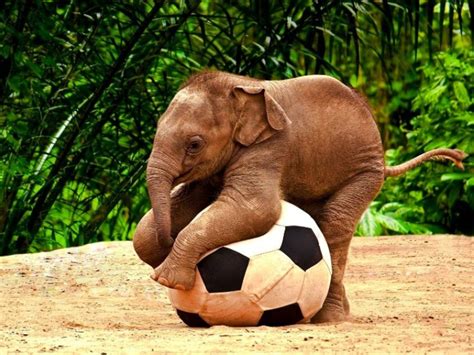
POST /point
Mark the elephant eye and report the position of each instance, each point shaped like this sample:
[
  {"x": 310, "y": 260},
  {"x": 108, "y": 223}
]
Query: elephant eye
[{"x": 195, "y": 145}]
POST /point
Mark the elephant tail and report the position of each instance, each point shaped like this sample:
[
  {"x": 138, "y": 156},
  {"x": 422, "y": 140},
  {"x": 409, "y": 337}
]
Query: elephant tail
[{"x": 455, "y": 155}]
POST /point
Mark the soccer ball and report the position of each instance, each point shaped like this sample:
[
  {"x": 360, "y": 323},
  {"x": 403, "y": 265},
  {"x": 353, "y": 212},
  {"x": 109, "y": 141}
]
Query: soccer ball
[{"x": 279, "y": 278}]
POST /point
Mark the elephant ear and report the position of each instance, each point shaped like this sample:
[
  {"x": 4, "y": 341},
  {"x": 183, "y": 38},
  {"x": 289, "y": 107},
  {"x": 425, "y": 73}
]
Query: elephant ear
[{"x": 260, "y": 116}]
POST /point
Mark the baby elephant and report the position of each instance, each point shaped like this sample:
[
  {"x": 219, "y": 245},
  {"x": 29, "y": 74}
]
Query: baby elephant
[{"x": 239, "y": 145}]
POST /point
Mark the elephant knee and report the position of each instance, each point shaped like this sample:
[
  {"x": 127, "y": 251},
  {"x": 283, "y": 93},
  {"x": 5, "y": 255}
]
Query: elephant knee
[{"x": 145, "y": 243}]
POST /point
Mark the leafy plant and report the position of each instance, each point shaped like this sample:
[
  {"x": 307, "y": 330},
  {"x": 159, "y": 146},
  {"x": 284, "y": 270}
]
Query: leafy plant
[
  {"x": 83, "y": 82},
  {"x": 434, "y": 197}
]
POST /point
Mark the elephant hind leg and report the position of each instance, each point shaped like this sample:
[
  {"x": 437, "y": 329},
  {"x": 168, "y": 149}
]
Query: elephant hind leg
[{"x": 337, "y": 218}]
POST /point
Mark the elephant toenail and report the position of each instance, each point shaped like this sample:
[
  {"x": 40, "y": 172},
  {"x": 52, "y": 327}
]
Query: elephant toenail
[{"x": 163, "y": 281}]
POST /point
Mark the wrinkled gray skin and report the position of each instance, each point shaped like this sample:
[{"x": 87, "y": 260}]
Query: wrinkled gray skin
[{"x": 239, "y": 145}]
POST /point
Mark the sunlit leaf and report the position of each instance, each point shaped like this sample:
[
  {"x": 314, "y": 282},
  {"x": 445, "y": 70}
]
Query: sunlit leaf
[{"x": 461, "y": 93}]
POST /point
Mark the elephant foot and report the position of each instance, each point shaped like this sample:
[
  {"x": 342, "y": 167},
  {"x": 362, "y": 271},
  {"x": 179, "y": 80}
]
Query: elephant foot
[
  {"x": 171, "y": 275},
  {"x": 332, "y": 313},
  {"x": 329, "y": 316}
]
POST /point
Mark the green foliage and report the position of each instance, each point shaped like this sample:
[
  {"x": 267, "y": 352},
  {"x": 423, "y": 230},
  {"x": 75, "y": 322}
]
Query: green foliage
[
  {"x": 82, "y": 84},
  {"x": 434, "y": 197}
]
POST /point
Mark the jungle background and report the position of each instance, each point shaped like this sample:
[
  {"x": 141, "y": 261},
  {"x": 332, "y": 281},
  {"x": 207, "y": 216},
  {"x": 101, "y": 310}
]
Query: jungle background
[{"x": 82, "y": 84}]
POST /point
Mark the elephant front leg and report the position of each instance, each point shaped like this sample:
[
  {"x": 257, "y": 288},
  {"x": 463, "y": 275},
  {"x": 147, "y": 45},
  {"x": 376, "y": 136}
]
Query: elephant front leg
[{"x": 233, "y": 217}]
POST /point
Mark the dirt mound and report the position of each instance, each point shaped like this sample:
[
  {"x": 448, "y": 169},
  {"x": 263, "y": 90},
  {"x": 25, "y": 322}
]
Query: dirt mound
[{"x": 407, "y": 293}]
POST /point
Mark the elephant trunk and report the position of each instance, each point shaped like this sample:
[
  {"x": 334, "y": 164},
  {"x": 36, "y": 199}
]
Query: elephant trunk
[{"x": 160, "y": 183}]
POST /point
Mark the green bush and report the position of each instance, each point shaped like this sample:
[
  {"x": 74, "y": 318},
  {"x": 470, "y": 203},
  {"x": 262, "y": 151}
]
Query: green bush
[
  {"x": 434, "y": 197},
  {"x": 82, "y": 84}
]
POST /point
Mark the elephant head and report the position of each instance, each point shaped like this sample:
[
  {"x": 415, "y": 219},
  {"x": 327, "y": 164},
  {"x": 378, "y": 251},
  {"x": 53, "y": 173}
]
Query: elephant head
[{"x": 204, "y": 127}]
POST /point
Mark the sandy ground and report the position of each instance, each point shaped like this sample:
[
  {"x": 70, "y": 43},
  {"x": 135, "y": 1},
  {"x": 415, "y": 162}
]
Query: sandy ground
[{"x": 407, "y": 293}]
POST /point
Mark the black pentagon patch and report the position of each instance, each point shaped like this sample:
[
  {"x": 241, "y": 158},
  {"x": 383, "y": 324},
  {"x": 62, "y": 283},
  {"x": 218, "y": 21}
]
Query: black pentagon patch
[
  {"x": 286, "y": 315},
  {"x": 192, "y": 319},
  {"x": 223, "y": 270},
  {"x": 301, "y": 245}
]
